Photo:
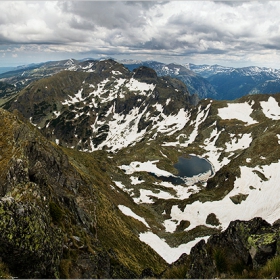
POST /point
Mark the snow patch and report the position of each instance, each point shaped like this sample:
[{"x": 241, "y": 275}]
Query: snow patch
[
  {"x": 240, "y": 141},
  {"x": 158, "y": 107},
  {"x": 128, "y": 212},
  {"x": 172, "y": 123},
  {"x": 144, "y": 88},
  {"x": 123, "y": 130},
  {"x": 271, "y": 108},
  {"x": 239, "y": 111},
  {"x": 148, "y": 166},
  {"x": 116, "y": 72},
  {"x": 146, "y": 196},
  {"x": 170, "y": 254},
  {"x": 136, "y": 181},
  {"x": 120, "y": 185},
  {"x": 200, "y": 118},
  {"x": 213, "y": 152},
  {"x": 182, "y": 192}
]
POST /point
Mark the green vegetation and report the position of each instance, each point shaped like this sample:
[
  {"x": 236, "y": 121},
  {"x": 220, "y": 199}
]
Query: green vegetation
[
  {"x": 263, "y": 239},
  {"x": 64, "y": 268},
  {"x": 271, "y": 269},
  {"x": 55, "y": 212},
  {"x": 176, "y": 272},
  {"x": 4, "y": 271},
  {"x": 107, "y": 222},
  {"x": 220, "y": 260}
]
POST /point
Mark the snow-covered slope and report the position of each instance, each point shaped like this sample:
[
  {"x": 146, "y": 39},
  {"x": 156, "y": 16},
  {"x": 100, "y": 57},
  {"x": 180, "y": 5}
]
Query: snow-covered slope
[
  {"x": 209, "y": 70},
  {"x": 102, "y": 105}
]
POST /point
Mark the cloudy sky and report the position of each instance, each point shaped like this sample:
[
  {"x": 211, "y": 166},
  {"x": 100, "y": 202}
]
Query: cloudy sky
[{"x": 213, "y": 32}]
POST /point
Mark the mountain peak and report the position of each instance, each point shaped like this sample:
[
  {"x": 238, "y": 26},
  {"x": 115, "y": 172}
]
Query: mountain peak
[{"x": 145, "y": 74}]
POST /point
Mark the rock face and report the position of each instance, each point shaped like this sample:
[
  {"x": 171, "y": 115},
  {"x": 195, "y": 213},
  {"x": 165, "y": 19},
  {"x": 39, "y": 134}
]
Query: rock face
[{"x": 145, "y": 74}]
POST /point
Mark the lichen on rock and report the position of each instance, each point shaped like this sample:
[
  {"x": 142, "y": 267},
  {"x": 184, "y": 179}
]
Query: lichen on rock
[{"x": 30, "y": 246}]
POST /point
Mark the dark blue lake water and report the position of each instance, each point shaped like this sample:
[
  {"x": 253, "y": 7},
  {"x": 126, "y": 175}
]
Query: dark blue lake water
[
  {"x": 187, "y": 167},
  {"x": 192, "y": 165}
]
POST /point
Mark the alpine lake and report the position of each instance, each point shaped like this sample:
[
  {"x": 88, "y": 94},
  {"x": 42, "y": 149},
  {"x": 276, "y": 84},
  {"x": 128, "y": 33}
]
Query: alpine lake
[{"x": 188, "y": 167}]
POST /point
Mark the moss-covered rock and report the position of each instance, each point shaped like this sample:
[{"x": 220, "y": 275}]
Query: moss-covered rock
[
  {"x": 30, "y": 246},
  {"x": 262, "y": 247}
]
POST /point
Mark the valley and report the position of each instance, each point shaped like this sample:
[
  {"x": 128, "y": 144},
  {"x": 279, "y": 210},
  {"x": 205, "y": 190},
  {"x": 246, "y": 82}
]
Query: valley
[{"x": 100, "y": 144}]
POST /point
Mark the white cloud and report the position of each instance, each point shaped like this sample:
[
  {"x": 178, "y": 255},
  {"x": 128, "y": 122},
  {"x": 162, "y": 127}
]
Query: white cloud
[{"x": 192, "y": 31}]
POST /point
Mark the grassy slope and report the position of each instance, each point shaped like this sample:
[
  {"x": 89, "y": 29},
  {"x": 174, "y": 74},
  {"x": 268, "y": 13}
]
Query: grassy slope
[{"x": 114, "y": 230}]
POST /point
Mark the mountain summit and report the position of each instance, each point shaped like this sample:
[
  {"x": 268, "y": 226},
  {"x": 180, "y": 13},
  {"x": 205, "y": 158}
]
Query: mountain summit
[{"x": 103, "y": 105}]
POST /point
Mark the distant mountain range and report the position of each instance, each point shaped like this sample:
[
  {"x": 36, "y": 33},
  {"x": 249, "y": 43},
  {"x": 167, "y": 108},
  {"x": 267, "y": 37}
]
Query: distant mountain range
[
  {"x": 206, "y": 81},
  {"x": 232, "y": 83},
  {"x": 6, "y": 69},
  {"x": 219, "y": 82}
]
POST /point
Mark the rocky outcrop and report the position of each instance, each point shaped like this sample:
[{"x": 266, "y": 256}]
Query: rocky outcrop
[
  {"x": 145, "y": 74},
  {"x": 243, "y": 246},
  {"x": 36, "y": 182}
]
